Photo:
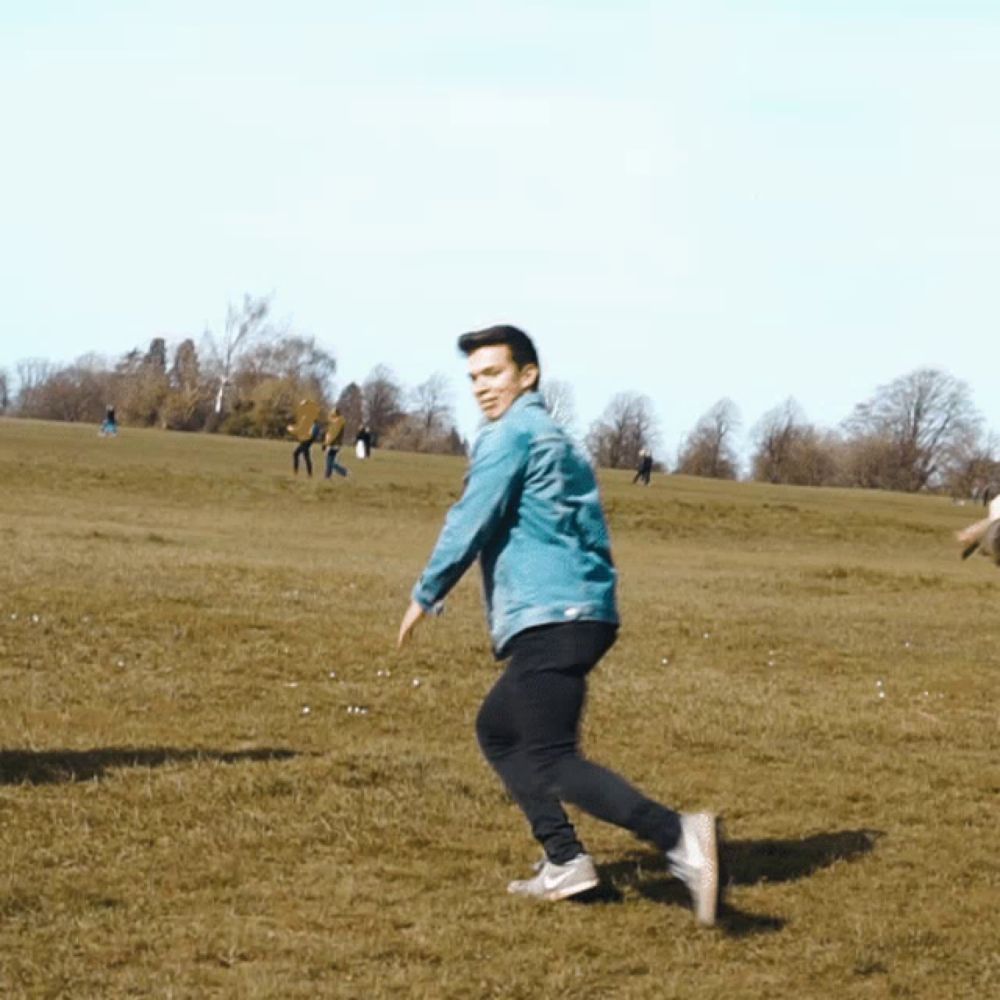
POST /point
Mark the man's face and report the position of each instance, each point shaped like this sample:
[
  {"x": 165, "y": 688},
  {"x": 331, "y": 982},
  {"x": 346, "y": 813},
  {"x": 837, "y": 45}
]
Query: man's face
[{"x": 496, "y": 380}]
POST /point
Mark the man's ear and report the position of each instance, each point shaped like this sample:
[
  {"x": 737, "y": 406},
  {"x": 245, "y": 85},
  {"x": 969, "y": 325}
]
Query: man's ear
[{"x": 528, "y": 376}]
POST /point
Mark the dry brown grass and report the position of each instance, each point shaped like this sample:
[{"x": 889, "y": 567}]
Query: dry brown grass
[{"x": 174, "y": 824}]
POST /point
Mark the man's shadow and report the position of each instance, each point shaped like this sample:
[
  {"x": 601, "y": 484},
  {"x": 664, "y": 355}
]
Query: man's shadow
[
  {"x": 47, "y": 767},
  {"x": 743, "y": 862}
]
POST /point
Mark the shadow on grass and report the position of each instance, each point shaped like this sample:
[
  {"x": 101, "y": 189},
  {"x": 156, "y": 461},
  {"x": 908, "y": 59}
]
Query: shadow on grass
[
  {"x": 744, "y": 862},
  {"x": 46, "y": 767},
  {"x": 748, "y": 862}
]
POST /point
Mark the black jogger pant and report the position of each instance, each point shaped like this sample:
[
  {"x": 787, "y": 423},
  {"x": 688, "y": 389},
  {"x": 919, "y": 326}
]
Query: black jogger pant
[
  {"x": 303, "y": 450},
  {"x": 528, "y": 729}
]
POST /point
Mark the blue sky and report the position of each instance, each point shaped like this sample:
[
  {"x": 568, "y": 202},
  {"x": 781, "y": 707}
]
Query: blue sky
[{"x": 689, "y": 200}]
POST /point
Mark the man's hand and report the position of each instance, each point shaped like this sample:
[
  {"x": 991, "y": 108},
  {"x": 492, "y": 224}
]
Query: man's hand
[{"x": 410, "y": 621}]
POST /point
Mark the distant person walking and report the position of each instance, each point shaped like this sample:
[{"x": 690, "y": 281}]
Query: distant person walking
[
  {"x": 332, "y": 441},
  {"x": 645, "y": 468},
  {"x": 363, "y": 442},
  {"x": 303, "y": 447},
  {"x": 531, "y": 513},
  {"x": 109, "y": 426}
]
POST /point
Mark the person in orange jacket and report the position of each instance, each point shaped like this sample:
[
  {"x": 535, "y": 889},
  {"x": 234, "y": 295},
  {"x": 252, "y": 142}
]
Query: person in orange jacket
[{"x": 332, "y": 441}]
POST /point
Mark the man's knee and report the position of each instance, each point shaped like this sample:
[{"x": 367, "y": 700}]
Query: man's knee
[{"x": 554, "y": 762}]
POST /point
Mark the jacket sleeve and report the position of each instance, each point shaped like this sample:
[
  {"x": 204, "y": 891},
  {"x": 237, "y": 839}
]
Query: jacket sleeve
[{"x": 498, "y": 462}]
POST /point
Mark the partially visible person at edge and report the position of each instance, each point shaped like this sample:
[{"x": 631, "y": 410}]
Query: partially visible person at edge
[
  {"x": 531, "y": 513},
  {"x": 302, "y": 448},
  {"x": 332, "y": 440},
  {"x": 644, "y": 469}
]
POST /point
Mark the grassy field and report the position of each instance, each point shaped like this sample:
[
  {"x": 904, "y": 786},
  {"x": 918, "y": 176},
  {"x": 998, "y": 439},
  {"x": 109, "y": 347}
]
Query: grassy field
[{"x": 217, "y": 777}]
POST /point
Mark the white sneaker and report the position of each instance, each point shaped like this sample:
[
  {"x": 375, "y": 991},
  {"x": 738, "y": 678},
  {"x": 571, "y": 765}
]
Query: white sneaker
[
  {"x": 695, "y": 861},
  {"x": 558, "y": 881}
]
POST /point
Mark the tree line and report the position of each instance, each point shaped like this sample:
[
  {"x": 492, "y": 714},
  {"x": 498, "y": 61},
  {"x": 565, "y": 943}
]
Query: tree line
[
  {"x": 245, "y": 380},
  {"x": 918, "y": 432}
]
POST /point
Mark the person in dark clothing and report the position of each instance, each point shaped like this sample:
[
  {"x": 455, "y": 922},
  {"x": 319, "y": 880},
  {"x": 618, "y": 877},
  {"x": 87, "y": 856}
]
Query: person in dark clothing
[
  {"x": 549, "y": 588},
  {"x": 302, "y": 449},
  {"x": 363, "y": 442},
  {"x": 644, "y": 469}
]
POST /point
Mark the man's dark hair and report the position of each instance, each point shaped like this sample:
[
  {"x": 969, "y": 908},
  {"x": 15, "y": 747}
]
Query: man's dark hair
[{"x": 522, "y": 350}]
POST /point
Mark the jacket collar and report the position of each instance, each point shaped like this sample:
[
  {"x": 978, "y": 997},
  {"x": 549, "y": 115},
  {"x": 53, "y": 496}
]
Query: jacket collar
[{"x": 530, "y": 398}]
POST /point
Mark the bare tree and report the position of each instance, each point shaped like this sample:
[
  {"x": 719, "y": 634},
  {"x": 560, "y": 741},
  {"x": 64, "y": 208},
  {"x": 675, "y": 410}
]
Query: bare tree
[
  {"x": 350, "y": 402},
  {"x": 293, "y": 357},
  {"x": 4, "y": 390},
  {"x": 973, "y": 466},
  {"x": 902, "y": 435},
  {"x": 352, "y": 407},
  {"x": 243, "y": 325},
  {"x": 788, "y": 449},
  {"x": 708, "y": 450},
  {"x": 32, "y": 374},
  {"x": 73, "y": 392},
  {"x": 431, "y": 404},
  {"x": 270, "y": 375},
  {"x": 382, "y": 400},
  {"x": 774, "y": 437},
  {"x": 429, "y": 425},
  {"x": 559, "y": 401},
  {"x": 627, "y": 426},
  {"x": 297, "y": 360}
]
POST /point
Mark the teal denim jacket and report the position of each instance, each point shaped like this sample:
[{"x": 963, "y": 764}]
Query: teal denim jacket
[{"x": 532, "y": 514}]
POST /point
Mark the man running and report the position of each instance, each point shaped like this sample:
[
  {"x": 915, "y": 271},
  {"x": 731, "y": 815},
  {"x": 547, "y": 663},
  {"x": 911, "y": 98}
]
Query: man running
[{"x": 531, "y": 513}]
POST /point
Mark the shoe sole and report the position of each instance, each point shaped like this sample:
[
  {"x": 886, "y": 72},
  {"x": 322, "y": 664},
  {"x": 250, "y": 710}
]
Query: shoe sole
[
  {"x": 571, "y": 890},
  {"x": 563, "y": 892}
]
